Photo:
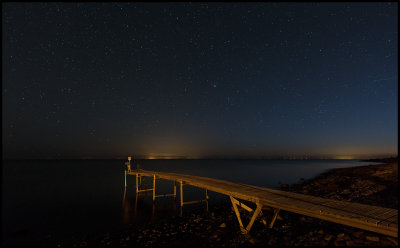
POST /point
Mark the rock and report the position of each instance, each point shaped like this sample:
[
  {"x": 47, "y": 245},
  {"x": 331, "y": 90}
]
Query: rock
[
  {"x": 264, "y": 221},
  {"x": 385, "y": 242},
  {"x": 350, "y": 243},
  {"x": 272, "y": 242},
  {"x": 358, "y": 234},
  {"x": 321, "y": 232},
  {"x": 332, "y": 187},
  {"x": 340, "y": 236},
  {"x": 339, "y": 243},
  {"x": 328, "y": 237},
  {"x": 394, "y": 241},
  {"x": 284, "y": 186},
  {"x": 197, "y": 220},
  {"x": 347, "y": 237},
  {"x": 223, "y": 225},
  {"x": 346, "y": 192},
  {"x": 372, "y": 238}
]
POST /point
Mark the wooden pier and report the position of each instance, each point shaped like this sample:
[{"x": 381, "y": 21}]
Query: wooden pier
[{"x": 376, "y": 219}]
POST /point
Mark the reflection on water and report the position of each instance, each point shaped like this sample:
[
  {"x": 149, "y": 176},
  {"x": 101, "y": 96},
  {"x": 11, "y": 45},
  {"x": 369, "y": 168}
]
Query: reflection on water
[
  {"x": 63, "y": 197},
  {"x": 135, "y": 208}
]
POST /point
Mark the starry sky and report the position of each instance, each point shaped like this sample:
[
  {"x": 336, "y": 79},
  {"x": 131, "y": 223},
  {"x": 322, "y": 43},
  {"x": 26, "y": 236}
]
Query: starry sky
[{"x": 197, "y": 80}]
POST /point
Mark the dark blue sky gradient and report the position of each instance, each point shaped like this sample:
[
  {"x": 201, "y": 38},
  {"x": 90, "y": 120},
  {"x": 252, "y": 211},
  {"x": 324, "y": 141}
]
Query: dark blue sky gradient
[{"x": 199, "y": 79}]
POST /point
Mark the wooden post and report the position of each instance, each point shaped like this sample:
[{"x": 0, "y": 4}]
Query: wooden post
[
  {"x": 253, "y": 218},
  {"x": 207, "y": 200},
  {"x": 237, "y": 215},
  {"x": 154, "y": 187},
  {"x": 181, "y": 193},
  {"x": 137, "y": 186},
  {"x": 276, "y": 212},
  {"x": 125, "y": 178},
  {"x": 174, "y": 190}
]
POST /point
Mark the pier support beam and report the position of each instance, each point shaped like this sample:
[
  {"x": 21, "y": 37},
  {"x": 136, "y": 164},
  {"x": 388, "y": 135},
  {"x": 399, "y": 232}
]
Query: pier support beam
[
  {"x": 207, "y": 200},
  {"x": 191, "y": 202},
  {"x": 181, "y": 189},
  {"x": 154, "y": 188},
  {"x": 276, "y": 212},
  {"x": 253, "y": 218},
  {"x": 174, "y": 190},
  {"x": 137, "y": 183},
  {"x": 125, "y": 179}
]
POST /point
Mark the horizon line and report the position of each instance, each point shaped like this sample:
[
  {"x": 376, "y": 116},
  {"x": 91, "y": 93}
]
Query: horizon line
[{"x": 147, "y": 157}]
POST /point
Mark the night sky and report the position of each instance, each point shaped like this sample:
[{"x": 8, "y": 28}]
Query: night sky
[{"x": 107, "y": 80}]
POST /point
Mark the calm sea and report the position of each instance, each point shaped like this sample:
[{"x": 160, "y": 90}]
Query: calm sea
[{"x": 60, "y": 198}]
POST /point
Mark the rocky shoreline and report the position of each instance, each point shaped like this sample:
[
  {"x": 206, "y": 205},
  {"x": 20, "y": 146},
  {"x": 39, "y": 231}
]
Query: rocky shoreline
[{"x": 373, "y": 184}]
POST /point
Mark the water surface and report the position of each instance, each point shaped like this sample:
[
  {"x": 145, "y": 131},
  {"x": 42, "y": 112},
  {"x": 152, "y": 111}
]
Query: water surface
[{"x": 64, "y": 197}]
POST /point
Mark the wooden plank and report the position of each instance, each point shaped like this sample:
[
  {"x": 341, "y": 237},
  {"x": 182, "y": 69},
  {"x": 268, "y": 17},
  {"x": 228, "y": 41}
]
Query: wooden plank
[
  {"x": 165, "y": 195},
  {"x": 191, "y": 202},
  {"x": 388, "y": 224},
  {"x": 142, "y": 190},
  {"x": 392, "y": 220}
]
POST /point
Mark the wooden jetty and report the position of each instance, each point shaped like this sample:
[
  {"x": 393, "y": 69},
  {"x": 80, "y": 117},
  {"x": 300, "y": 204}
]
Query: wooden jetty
[{"x": 376, "y": 219}]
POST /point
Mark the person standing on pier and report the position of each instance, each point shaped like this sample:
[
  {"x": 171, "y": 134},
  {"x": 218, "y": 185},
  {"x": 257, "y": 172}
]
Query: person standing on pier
[{"x": 128, "y": 164}]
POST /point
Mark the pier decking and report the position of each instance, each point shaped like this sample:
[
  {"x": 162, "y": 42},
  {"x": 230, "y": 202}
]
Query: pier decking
[{"x": 376, "y": 219}]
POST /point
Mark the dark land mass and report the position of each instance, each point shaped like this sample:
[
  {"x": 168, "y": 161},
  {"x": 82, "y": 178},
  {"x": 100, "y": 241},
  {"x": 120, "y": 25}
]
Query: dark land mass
[
  {"x": 372, "y": 184},
  {"x": 382, "y": 160}
]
